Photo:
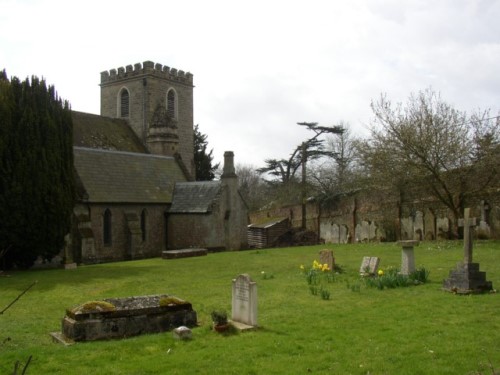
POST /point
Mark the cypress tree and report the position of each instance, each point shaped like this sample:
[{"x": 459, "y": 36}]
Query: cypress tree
[{"x": 36, "y": 170}]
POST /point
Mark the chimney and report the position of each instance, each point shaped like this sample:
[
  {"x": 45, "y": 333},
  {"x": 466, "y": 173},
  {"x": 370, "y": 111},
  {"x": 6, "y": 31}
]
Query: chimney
[{"x": 228, "y": 170}]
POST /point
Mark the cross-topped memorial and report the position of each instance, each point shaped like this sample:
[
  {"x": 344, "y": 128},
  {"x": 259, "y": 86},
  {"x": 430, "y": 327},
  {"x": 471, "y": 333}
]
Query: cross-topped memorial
[
  {"x": 467, "y": 278},
  {"x": 468, "y": 223}
]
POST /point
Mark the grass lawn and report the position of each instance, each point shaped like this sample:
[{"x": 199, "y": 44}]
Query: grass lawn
[{"x": 359, "y": 330}]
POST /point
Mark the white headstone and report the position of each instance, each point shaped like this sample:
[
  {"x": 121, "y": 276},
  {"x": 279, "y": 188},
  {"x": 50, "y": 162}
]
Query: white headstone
[
  {"x": 244, "y": 301},
  {"x": 369, "y": 266}
]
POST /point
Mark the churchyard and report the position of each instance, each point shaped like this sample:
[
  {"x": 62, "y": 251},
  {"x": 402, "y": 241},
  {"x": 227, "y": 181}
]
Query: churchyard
[{"x": 351, "y": 329}]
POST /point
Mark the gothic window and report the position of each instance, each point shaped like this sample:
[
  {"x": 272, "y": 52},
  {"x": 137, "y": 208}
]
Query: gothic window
[
  {"x": 143, "y": 225},
  {"x": 124, "y": 103},
  {"x": 172, "y": 104},
  {"x": 106, "y": 227}
]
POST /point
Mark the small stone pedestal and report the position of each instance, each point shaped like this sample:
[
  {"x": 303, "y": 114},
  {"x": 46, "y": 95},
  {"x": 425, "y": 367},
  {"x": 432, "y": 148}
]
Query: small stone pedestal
[
  {"x": 408, "y": 257},
  {"x": 466, "y": 279}
]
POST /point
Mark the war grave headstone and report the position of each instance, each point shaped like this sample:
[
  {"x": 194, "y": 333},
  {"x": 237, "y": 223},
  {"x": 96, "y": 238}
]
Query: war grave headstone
[
  {"x": 244, "y": 303},
  {"x": 369, "y": 266},
  {"x": 467, "y": 278},
  {"x": 408, "y": 256}
]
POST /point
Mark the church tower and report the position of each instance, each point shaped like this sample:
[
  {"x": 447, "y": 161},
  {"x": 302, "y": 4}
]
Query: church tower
[{"x": 157, "y": 102}]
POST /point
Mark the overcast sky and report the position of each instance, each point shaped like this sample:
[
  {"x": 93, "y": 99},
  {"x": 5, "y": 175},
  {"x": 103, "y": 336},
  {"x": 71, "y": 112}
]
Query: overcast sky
[{"x": 262, "y": 66}]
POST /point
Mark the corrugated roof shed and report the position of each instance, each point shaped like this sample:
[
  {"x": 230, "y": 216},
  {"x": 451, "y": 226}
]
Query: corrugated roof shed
[
  {"x": 195, "y": 197},
  {"x": 126, "y": 177}
]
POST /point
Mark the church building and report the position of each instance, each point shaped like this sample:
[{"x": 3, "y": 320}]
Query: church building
[{"x": 134, "y": 165}]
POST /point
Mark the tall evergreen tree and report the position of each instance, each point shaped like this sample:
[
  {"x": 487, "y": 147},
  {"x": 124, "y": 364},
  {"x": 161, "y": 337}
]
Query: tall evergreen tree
[
  {"x": 204, "y": 169},
  {"x": 36, "y": 170}
]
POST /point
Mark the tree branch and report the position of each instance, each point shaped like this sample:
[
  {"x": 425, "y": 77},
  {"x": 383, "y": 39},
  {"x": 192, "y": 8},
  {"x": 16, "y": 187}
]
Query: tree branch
[{"x": 17, "y": 298}]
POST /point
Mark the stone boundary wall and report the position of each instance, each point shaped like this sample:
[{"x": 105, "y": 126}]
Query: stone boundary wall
[{"x": 378, "y": 216}]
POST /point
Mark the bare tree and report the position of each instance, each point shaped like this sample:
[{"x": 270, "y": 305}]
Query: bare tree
[
  {"x": 449, "y": 154},
  {"x": 252, "y": 186}
]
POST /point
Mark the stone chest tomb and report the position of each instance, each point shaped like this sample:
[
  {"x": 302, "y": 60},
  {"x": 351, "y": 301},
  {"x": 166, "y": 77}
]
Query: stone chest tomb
[{"x": 124, "y": 317}]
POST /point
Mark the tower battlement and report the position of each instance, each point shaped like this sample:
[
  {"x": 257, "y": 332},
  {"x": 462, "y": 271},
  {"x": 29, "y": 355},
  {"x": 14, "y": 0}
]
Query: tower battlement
[{"x": 146, "y": 68}]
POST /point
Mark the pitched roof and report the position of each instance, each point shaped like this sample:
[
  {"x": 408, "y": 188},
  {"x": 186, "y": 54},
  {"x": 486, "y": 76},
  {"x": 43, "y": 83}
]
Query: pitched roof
[
  {"x": 126, "y": 177},
  {"x": 107, "y": 133},
  {"x": 194, "y": 197}
]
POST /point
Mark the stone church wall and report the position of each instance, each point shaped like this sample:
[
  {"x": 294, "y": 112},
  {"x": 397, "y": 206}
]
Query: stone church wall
[{"x": 126, "y": 234}]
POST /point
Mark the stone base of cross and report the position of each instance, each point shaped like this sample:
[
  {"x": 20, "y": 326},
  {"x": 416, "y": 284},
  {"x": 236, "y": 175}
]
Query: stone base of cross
[{"x": 467, "y": 278}]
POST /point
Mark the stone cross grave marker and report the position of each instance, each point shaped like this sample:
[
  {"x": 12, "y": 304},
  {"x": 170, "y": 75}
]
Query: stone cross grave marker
[
  {"x": 369, "y": 266},
  {"x": 467, "y": 278},
  {"x": 468, "y": 223},
  {"x": 326, "y": 257},
  {"x": 244, "y": 302}
]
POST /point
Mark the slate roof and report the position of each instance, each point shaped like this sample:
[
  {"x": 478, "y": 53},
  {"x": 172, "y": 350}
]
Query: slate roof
[
  {"x": 107, "y": 133},
  {"x": 126, "y": 177},
  {"x": 194, "y": 197}
]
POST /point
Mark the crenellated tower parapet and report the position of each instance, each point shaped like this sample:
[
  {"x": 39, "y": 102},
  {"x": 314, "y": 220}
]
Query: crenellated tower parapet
[
  {"x": 146, "y": 68},
  {"x": 135, "y": 92}
]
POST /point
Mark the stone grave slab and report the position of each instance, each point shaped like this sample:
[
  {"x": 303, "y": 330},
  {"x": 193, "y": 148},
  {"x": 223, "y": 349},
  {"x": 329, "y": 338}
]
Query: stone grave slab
[
  {"x": 183, "y": 253},
  {"x": 124, "y": 317}
]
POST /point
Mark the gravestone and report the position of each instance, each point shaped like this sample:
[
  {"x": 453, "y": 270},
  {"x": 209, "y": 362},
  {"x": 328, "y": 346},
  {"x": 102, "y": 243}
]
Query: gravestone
[
  {"x": 69, "y": 263},
  {"x": 408, "y": 257},
  {"x": 418, "y": 226},
  {"x": 406, "y": 227},
  {"x": 442, "y": 228},
  {"x": 326, "y": 257},
  {"x": 467, "y": 278},
  {"x": 335, "y": 233},
  {"x": 244, "y": 302},
  {"x": 343, "y": 234},
  {"x": 369, "y": 266}
]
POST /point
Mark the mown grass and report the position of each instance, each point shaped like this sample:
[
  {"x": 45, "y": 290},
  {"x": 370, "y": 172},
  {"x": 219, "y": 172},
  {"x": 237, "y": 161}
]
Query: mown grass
[{"x": 359, "y": 330}]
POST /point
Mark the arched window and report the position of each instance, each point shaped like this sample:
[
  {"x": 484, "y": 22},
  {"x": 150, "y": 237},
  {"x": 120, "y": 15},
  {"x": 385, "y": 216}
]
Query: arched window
[
  {"x": 172, "y": 104},
  {"x": 143, "y": 225},
  {"x": 106, "y": 227},
  {"x": 124, "y": 103}
]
